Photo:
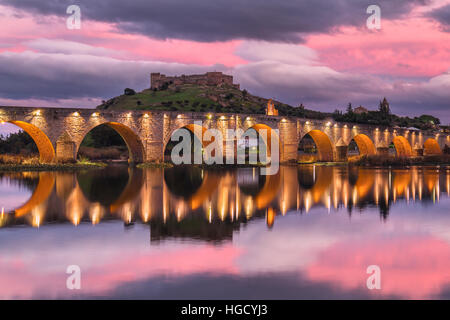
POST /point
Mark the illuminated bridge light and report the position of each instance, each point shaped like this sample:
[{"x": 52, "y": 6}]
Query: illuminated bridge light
[
  {"x": 76, "y": 113},
  {"x": 37, "y": 113},
  {"x": 146, "y": 115},
  {"x": 95, "y": 114}
]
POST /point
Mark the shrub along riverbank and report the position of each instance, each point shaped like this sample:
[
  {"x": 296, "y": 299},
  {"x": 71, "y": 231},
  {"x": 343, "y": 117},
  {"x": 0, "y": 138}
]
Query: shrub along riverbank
[
  {"x": 383, "y": 161},
  {"x": 24, "y": 163}
]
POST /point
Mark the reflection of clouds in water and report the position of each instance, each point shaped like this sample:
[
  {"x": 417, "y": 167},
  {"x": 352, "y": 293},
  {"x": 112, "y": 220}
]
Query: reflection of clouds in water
[
  {"x": 412, "y": 266},
  {"x": 261, "y": 286},
  {"x": 12, "y": 194},
  {"x": 317, "y": 246},
  {"x": 412, "y": 247},
  {"x": 107, "y": 254},
  {"x": 299, "y": 236}
]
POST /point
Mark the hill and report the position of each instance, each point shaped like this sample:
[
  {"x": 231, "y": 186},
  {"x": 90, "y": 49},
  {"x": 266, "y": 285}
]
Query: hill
[
  {"x": 230, "y": 99},
  {"x": 201, "y": 98}
]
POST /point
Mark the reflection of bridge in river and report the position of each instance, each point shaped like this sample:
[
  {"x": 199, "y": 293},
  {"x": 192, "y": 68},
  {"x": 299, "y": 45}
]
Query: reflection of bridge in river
[{"x": 187, "y": 207}]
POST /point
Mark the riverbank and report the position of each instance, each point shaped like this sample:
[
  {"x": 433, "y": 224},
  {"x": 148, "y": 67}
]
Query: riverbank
[
  {"x": 146, "y": 165},
  {"x": 153, "y": 165},
  {"x": 363, "y": 161},
  {"x": 8, "y": 163},
  {"x": 51, "y": 167},
  {"x": 390, "y": 161}
]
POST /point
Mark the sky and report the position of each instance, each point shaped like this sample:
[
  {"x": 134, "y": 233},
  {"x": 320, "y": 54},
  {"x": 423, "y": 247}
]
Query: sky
[{"x": 319, "y": 53}]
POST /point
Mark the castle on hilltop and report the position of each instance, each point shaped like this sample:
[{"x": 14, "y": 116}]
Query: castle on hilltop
[{"x": 209, "y": 79}]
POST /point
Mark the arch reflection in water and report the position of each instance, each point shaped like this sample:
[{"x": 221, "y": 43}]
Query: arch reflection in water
[{"x": 209, "y": 204}]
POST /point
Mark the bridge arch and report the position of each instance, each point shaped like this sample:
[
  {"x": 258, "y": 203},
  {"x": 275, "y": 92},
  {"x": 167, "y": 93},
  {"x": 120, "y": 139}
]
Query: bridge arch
[
  {"x": 431, "y": 146},
  {"x": 197, "y": 132},
  {"x": 43, "y": 143},
  {"x": 365, "y": 145},
  {"x": 323, "y": 143},
  {"x": 402, "y": 146},
  {"x": 267, "y": 137},
  {"x": 134, "y": 144}
]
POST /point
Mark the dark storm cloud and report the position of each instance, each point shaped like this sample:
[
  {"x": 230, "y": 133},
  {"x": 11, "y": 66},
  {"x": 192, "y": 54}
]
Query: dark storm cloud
[
  {"x": 31, "y": 75},
  {"x": 52, "y": 76},
  {"x": 442, "y": 15},
  {"x": 324, "y": 89},
  {"x": 221, "y": 20}
]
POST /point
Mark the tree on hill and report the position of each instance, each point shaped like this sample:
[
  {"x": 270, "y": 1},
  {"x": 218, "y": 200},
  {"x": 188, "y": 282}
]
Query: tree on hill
[
  {"x": 349, "y": 108},
  {"x": 129, "y": 92},
  {"x": 430, "y": 119},
  {"x": 384, "y": 106}
]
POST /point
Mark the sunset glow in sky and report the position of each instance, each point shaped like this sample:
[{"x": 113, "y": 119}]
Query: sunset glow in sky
[{"x": 319, "y": 53}]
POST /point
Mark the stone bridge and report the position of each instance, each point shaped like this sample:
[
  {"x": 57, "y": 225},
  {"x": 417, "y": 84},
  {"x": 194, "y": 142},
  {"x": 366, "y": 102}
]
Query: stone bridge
[{"x": 58, "y": 132}]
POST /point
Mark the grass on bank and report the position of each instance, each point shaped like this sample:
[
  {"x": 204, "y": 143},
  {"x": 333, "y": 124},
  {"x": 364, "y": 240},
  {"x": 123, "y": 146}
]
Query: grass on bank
[
  {"x": 152, "y": 165},
  {"x": 31, "y": 163}
]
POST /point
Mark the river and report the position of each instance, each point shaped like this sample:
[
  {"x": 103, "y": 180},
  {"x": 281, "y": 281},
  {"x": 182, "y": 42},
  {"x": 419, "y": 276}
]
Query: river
[{"x": 309, "y": 232}]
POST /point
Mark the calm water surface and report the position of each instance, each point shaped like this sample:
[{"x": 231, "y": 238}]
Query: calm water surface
[{"x": 308, "y": 232}]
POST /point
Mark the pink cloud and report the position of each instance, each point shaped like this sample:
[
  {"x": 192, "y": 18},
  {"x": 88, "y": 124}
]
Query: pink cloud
[
  {"x": 18, "y": 29},
  {"x": 409, "y": 47}
]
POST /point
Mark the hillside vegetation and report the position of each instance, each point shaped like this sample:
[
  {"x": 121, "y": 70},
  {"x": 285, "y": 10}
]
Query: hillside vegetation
[
  {"x": 228, "y": 99},
  {"x": 199, "y": 98}
]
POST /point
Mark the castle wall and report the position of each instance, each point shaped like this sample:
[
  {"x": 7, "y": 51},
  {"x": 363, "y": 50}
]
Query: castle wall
[{"x": 209, "y": 78}]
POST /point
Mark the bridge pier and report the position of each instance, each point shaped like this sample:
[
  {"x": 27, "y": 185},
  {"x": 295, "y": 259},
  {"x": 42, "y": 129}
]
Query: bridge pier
[
  {"x": 65, "y": 149},
  {"x": 341, "y": 151}
]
